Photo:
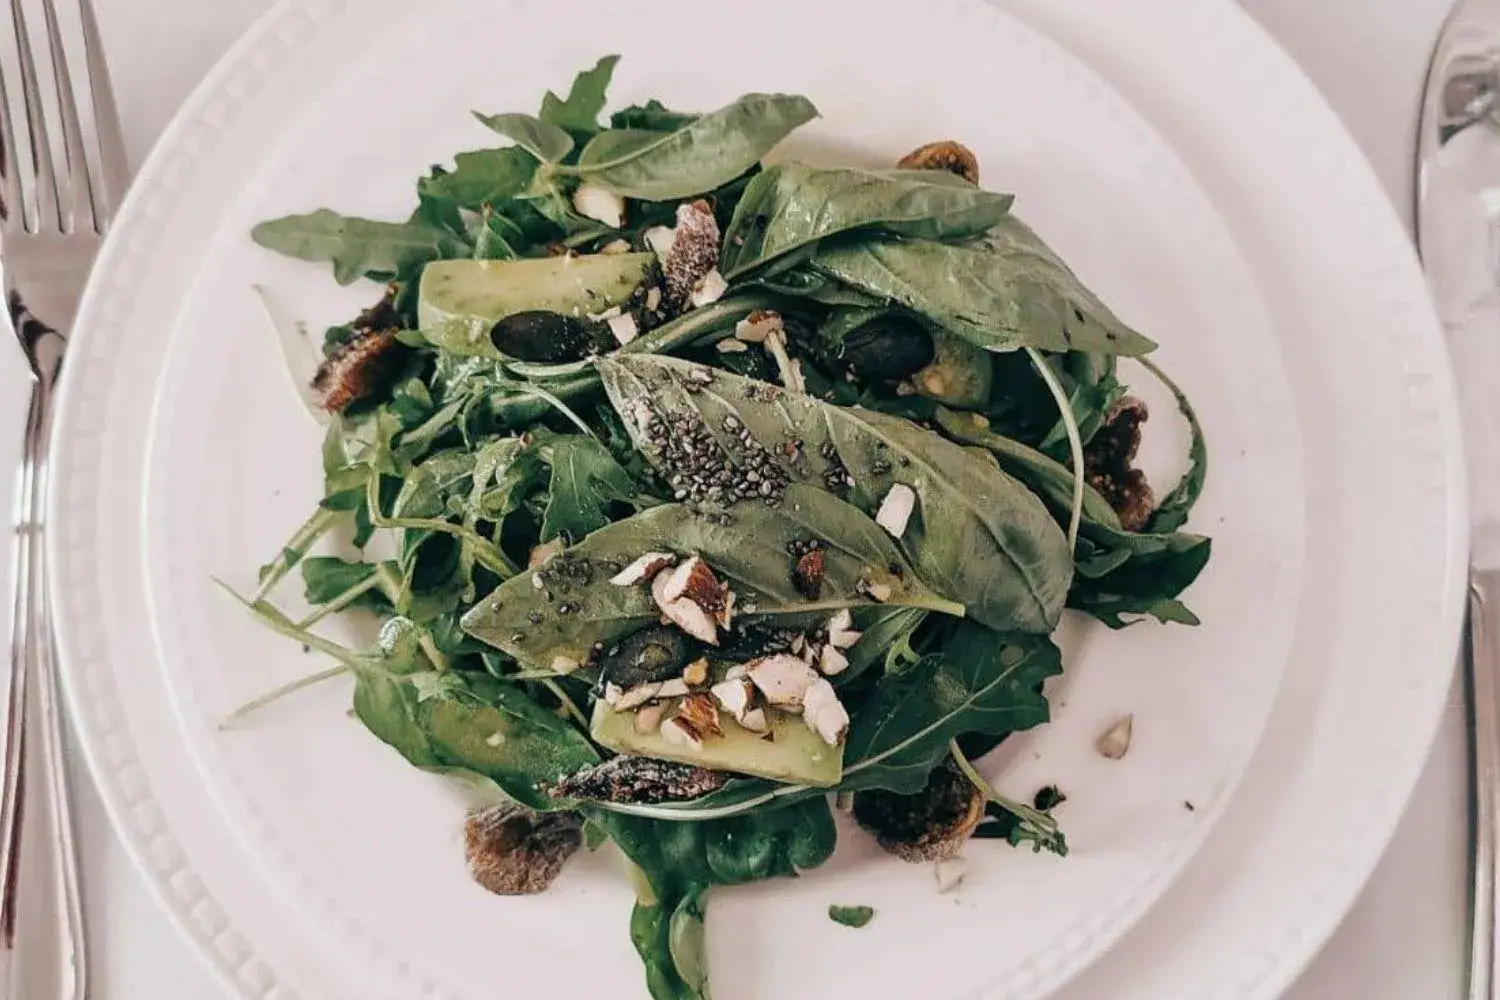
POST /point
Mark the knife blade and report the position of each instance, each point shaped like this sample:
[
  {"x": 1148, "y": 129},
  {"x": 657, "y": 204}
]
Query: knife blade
[{"x": 1458, "y": 234}]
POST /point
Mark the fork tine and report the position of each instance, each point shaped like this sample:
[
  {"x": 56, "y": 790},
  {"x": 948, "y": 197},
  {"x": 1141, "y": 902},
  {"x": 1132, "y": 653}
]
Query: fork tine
[
  {"x": 36, "y": 121},
  {"x": 77, "y": 198},
  {"x": 12, "y": 209},
  {"x": 114, "y": 170}
]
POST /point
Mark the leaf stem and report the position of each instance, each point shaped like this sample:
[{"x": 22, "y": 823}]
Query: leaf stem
[
  {"x": 537, "y": 392},
  {"x": 488, "y": 554},
  {"x": 1075, "y": 440},
  {"x": 340, "y": 602},
  {"x": 1040, "y": 823},
  {"x": 276, "y": 694},
  {"x": 296, "y": 547}
]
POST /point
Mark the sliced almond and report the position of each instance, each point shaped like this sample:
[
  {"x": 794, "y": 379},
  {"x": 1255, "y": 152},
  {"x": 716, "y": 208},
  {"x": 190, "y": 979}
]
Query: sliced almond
[
  {"x": 676, "y": 734},
  {"x": 709, "y": 289},
  {"x": 896, "y": 509},
  {"x": 635, "y": 697},
  {"x": 683, "y": 613},
  {"x": 754, "y": 327},
  {"x": 660, "y": 240},
  {"x": 841, "y": 620},
  {"x": 643, "y": 568},
  {"x": 734, "y": 696},
  {"x": 731, "y": 346},
  {"x": 600, "y": 205}
]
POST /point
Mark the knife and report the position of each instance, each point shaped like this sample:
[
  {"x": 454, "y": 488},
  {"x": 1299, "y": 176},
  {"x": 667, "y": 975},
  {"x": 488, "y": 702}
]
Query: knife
[{"x": 1458, "y": 233}]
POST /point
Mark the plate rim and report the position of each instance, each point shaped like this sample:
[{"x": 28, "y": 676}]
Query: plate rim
[{"x": 273, "y": 23}]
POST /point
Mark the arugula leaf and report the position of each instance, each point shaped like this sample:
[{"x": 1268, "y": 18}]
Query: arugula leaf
[
  {"x": 356, "y": 247},
  {"x": 1147, "y": 584},
  {"x": 791, "y": 206},
  {"x": 580, "y": 111},
  {"x": 1174, "y": 509},
  {"x": 980, "y": 682},
  {"x": 542, "y": 140},
  {"x": 712, "y": 150},
  {"x": 653, "y": 116},
  {"x": 851, "y": 916},
  {"x": 482, "y": 177},
  {"x": 586, "y": 482},
  {"x": 976, "y": 535},
  {"x": 522, "y": 619},
  {"x": 1006, "y": 291},
  {"x": 328, "y": 578}
]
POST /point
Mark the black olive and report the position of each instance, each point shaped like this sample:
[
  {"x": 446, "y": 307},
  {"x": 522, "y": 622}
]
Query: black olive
[
  {"x": 888, "y": 348},
  {"x": 543, "y": 337},
  {"x": 655, "y": 653}
]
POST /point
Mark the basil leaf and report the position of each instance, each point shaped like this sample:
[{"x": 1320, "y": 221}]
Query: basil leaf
[
  {"x": 356, "y": 247},
  {"x": 981, "y": 682},
  {"x": 586, "y": 482},
  {"x": 580, "y": 111},
  {"x": 791, "y": 205},
  {"x": 522, "y": 618},
  {"x": 1006, "y": 291},
  {"x": 976, "y": 535},
  {"x": 712, "y": 150},
  {"x": 481, "y": 177},
  {"x": 543, "y": 140}
]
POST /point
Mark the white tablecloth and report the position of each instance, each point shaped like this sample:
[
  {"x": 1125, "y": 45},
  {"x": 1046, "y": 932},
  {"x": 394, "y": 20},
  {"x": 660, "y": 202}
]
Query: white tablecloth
[{"x": 1404, "y": 941}]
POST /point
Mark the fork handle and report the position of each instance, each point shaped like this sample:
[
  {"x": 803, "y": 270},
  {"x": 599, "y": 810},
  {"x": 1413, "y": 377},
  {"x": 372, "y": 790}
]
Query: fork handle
[
  {"x": 1482, "y": 676},
  {"x": 38, "y": 754}
]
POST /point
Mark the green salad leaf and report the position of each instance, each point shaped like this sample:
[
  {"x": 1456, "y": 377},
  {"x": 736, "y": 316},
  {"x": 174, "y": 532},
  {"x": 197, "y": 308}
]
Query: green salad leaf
[
  {"x": 356, "y": 247},
  {"x": 586, "y": 482},
  {"x": 976, "y": 534},
  {"x": 851, "y": 916},
  {"x": 1004, "y": 291},
  {"x": 791, "y": 206},
  {"x": 579, "y": 111},
  {"x": 543, "y": 140},
  {"x": 482, "y": 177}
]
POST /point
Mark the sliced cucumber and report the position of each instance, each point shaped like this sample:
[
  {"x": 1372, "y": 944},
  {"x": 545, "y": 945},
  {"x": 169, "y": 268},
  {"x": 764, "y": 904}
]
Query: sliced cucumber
[
  {"x": 461, "y": 300},
  {"x": 790, "y": 752}
]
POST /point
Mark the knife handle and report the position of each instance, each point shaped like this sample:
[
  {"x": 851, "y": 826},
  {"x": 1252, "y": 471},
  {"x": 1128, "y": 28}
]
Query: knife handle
[{"x": 1482, "y": 677}]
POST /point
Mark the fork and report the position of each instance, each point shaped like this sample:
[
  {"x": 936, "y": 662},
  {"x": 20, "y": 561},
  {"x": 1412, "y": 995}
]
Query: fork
[{"x": 54, "y": 212}]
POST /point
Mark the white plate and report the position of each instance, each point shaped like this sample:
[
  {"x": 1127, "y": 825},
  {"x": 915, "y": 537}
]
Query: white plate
[{"x": 304, "y": 859}]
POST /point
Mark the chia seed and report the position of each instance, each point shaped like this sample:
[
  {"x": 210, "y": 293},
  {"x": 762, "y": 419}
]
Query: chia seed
[{"x": 535, "y": 617}]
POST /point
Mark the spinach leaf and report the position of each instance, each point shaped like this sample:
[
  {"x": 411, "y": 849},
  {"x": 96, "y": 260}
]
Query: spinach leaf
[
  {"x": 579, "y": 113},
  {"x": 700, "y": 156},
  {"x": 545, "y": 141},
  {"x": 356, "y": 247},
  {"x": 482, "y": 177},
  {"x": 851, "y": 916},
  {"x": 521, "y": 616},
  {"x": 980, "y": 682},
  {"x": 1005, "y": 291},
  {"x": 653, "y": 116},
  {"x": 976, "y": 535},
  {"x": 586, "y": 483},
  {"x": 791, "y": 206},
  {"x": 1145, "y": 585}
]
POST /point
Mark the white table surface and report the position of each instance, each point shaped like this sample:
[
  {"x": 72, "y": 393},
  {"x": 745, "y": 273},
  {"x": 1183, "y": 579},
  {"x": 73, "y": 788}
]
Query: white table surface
[{"x": 1404, "y": 940}]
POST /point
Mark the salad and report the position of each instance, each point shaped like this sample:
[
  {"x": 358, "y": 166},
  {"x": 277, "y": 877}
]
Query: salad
[{"x": 700, "y": 497}]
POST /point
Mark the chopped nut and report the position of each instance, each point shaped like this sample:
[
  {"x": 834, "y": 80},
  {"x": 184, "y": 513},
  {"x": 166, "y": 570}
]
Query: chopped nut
[
  {"x": 643, "y": 568},
  {"x": 808, "y": 574},
  {"x": 896, "y": 509},
  {"x": 624, "y": 328},
  {"x": 949, "y": 872},
  {"x": 653, "y": 298},
  {"x": 616, "y": 246},
  {"x": 695, "y": 581},
  {"x": 755, "y": 720},
  {"x": 699, "y": 714},
  {"x": 676, "y": 734},
  {"x": 612, "y": 695},
  {"x": 541, "y": 553},
  {"x": 832, "y": 662},
  {"x": 635, "y": 697},
  {"x": 841, "y": 620},
  {"x": 736, "y": 672},
  {"x": 1114, "y": 742},
  {"x": 600, "y": 205},
  {"x": 684, "y": 613},
  {"x": 948, "y": 155},
  {"x": 824, "y": 713},
  {"x": 754, "y": 328},
  {"x": 735, "y": 696},
  {"x": 709, "y": 289},
  {"x": 784, "y": 679},
  {"x": 660, "y": 240},
  {"x": 841, "y": 633},
  {"x": 648, "y": 719},
  {"x": 674, "y": 688},
  {"x": 876, "y": 590},
  {"x": 731, "y": 346},
  {"x": 696, "y": 672},
  {"x": 564, "y": 664}
]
